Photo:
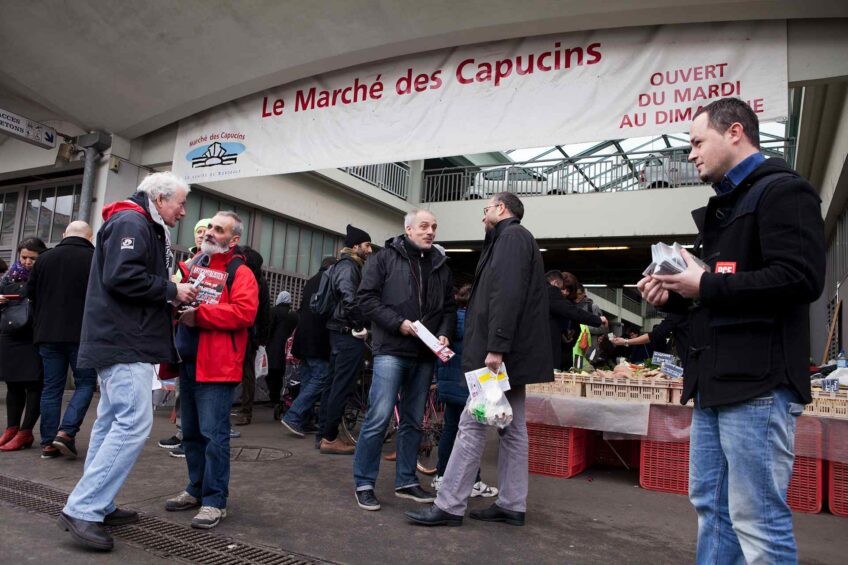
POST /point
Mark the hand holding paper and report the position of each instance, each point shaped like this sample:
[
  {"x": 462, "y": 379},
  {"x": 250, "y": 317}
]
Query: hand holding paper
[{"x": 442, "y": 351}]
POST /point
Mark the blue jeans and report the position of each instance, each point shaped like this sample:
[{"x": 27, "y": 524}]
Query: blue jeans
[
  {"x": 411, "y": 378},
  {"x": 205, "y": 420},
  {"x": 56, "y": 357},
  {"x": 314, "y": 378},
  {"x": 741, "y": 459},
  {"x": 346, "y": 357},
  {"x": 124, "y": 420}
]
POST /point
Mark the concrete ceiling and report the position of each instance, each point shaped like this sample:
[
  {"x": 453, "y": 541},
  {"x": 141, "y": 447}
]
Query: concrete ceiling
[{"x": 130, "y": 67}]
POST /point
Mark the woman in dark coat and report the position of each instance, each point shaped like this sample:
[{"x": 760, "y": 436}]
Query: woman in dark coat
[
  {"x": 20, "y": 364},
  {"x": 283, "y": 323}
]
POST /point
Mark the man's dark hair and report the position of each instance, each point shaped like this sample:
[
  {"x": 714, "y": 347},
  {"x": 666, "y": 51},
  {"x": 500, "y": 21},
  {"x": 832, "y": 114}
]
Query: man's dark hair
[
  {"x": 571, "y": 284},
  {"x": 553, "y": 275},
  {"x": 328, "y": 262},
  {"x": 31, "y": 244},
  {"x": 725, "y": 112},
  {"x": 253, "y": 259},
  {"x": 512, "y": 203},
  {"x": 463, "y": 295}
]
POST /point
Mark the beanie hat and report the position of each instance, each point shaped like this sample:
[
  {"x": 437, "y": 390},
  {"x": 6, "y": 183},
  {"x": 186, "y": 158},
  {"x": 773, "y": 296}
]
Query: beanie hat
[
  {"x": 203, "y": 223},
  {"x": 283, "y": 298},
  {"x": 355, "y": 236}
]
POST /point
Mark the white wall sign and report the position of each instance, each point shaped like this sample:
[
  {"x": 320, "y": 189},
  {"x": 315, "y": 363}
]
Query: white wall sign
[
  {"x": 567, "y": 88},
  {"x": 27, "y": 130}
]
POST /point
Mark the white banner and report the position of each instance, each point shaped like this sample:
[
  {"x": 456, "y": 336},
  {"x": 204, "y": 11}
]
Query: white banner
[{"x": 557, "y": 89}]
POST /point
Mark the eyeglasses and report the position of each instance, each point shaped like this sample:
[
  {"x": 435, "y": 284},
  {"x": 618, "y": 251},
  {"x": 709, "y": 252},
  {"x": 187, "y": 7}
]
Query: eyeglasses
[{"x": 486, "y": 208}]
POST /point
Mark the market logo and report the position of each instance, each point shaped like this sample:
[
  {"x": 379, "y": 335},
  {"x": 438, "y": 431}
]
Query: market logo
[{"x": 215, "y": 155}]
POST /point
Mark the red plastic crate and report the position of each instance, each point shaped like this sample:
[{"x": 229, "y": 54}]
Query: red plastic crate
[
  {"x": 664, "y": 466},
  {"x": 603, "y": 455},
  {"x": 806, "y": 488},
  {"x": 838, "y": 488},
  {"x": 555, "y": 451}
]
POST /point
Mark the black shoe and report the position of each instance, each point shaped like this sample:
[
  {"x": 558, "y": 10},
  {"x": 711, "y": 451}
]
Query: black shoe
[
  {"x": 415, "y": 493},
  {"x": 495, "y": 513},
  {"x": 90, "y": 534},
  {"x": 310, "y": 429},
  {"x": 294, "y": 429},
  {"x": 434, "y": 516},
  {"x": 170, "y": 443},
  {"x": 119, "y": 517},
  {"x": 66, "y": 446},
  {"x": 178, "y": 451},
  {"x": 50, "y": 452},
  {"x": 278, "y": 411},
  {"x": 366, "y": 499}
]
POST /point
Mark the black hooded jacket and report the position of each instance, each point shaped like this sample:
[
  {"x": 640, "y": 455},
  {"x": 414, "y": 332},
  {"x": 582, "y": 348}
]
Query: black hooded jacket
[{"x": 392, "y": 291}]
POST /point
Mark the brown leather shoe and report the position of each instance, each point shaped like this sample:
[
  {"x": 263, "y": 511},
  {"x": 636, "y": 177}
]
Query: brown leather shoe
[
  {"x": 242, "y": 420},
  {"x": 336, "y": 447}
]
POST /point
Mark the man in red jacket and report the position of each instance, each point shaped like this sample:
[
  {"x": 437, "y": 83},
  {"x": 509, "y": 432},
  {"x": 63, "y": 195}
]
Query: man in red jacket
[{"x": 212, "y": 340}]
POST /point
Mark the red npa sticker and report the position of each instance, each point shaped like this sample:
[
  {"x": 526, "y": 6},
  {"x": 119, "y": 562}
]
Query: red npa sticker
[{"x": 728, "y": 267}]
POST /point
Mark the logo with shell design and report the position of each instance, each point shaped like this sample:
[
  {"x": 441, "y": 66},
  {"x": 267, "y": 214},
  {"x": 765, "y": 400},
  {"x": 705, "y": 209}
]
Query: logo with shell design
[{"x": 215, "y": 154}]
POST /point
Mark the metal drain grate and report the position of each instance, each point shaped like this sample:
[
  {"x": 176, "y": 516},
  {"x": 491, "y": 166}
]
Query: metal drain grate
[
  {"x": 158, "y": 536},
  {"x": 250, "y": 454}
]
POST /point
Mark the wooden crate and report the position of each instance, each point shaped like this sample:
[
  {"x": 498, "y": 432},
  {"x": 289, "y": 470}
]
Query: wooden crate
[{"x": 628, "y": 390}]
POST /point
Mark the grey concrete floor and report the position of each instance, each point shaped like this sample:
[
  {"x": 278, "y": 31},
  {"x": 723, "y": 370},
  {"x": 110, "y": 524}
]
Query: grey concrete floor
[{"x": 305, "y": 503}]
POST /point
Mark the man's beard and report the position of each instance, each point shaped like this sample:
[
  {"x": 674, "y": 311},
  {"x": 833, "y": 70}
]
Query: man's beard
[{"x": 212, "y": 248}]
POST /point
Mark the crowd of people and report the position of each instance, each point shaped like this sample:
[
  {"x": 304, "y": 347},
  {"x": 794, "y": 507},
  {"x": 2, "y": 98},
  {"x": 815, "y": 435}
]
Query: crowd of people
[{"x": 124, "y": 320}]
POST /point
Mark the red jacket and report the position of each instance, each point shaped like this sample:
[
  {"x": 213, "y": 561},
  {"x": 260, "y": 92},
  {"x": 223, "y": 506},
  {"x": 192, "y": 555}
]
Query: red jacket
[{"x": 223, "y": 326}]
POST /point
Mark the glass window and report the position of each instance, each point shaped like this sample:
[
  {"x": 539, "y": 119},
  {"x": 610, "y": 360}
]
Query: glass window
[
  {"x": 292, "y": 237},
  {"x": 10, "y": 210},
  {"x": 279, "y": 247},
  {"x": 303, "y": 250},
  {"x": 266, "y": 237},
  {"x": 315, "y": 254},
  {"x": 45, "y": 219},
  {"x": 244, "y": 214},
  {"x": 330, "y": 247},
  {"x": 209, "y": 207},
  {"x": 63, "y": 213},
  {"x": 33, "y": 207},
  {"x": 192, "y": 208}
]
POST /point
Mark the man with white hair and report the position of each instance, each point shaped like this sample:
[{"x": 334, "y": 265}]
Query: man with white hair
[
  {"x": 212, "y": 340},
  {"x": 126, "y": 331},
  {"x": 408, "y": 281}
]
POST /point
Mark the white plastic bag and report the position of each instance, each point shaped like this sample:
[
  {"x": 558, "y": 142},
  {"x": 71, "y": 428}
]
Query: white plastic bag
[
  {"x": 260, "y": 364},
  {"x": 487, "y": 402}
]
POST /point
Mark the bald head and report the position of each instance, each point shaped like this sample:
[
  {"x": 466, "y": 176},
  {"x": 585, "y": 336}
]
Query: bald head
[{"x": 78, "y": 229}]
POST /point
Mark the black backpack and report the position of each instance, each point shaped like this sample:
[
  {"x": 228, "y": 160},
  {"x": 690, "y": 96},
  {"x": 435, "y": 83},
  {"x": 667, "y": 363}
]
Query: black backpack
[{"x": 323, "y": 302}]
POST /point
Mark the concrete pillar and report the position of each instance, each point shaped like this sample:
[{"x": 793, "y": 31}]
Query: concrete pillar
[{"x": 416, "y": 182}]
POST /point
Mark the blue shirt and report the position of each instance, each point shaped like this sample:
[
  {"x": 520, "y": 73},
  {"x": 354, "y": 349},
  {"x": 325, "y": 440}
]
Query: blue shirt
[{"x": 739, "y": 173}]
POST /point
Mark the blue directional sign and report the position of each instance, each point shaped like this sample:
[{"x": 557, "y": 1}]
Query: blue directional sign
[{"x": 27, "y": 130}]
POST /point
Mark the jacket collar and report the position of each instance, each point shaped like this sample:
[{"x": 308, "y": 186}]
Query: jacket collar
[
  {"x": 437, "y": 252},
  {"x": 75, "y": 241},
  {"x": 138, "y": 202}
]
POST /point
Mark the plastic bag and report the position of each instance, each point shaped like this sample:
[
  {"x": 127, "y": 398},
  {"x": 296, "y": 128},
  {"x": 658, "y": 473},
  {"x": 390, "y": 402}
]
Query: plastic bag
[
  {"x": 487, "y": 402},
  {"x": 261, "y": 362}
]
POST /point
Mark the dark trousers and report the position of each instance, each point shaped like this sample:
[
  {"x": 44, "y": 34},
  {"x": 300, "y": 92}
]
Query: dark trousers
[
  {"x": 56, "y": 358},
  {"x": 206, "y": 436},
  {"x": 346, "y": 354},
  {"x": 248, "y": 380},
  {"x": 22, "y": 395},
  {"x": 275, "y": 380}
]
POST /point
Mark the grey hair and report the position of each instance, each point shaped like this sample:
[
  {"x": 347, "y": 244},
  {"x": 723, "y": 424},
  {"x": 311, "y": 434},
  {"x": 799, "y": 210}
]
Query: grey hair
[
  {"x": 412, "y": 214},
  {"x": 165, "y": 184},
  {"x": 238, "y": 226}
]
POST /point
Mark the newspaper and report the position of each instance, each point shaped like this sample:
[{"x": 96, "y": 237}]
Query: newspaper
[
  {"x": 209, "y": 283},
  {"x": 443, "y": 352}
]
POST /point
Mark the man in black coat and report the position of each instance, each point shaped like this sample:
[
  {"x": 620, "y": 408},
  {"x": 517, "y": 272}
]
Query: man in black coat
[
  {"x": 126, "y": 330},
  {"x": 504, "y": 324},
  {"x": 563, "y": 311},
  {"x": 762, "y": 237},
  {"x": 408, "y": 281},
  {"x": 57, "y": 287},
  {"x": 311, "y": 344}
]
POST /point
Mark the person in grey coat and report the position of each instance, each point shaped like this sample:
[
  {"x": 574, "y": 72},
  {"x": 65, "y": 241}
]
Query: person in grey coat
[{"x": 509, "y": 298}]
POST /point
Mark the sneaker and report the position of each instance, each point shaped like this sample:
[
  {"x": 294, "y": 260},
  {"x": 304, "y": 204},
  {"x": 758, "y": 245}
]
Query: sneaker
[
  {"x": 178, "y": 451},
  {"x": 208, "y": 517},
  {"x": 336, "y": 447},
  {"x": 234, "y": 434},
  {"x": 50, "y": 452},
  {"x": 170, "y": 443},
  {"x": 367, "y": 500},
  {"x": 293, "y": 428},
  {"x": 183, "y": 501},
  {"x": 437, "y": 482},
  {"x": 66, "y": 446},
  {"x": 415, "y": 493},
  {"x": 482, "y": 489}
]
